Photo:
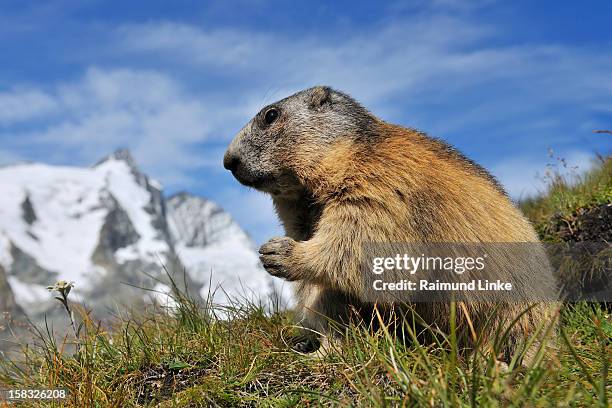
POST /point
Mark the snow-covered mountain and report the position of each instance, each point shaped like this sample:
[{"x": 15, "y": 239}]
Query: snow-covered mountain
[
  {"x": 109, "y": 228},
  {"x": 212, "y": 246}
]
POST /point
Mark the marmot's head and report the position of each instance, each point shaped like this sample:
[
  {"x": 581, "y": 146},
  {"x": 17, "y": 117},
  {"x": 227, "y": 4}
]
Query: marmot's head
[{"x": 271, "y": 151}]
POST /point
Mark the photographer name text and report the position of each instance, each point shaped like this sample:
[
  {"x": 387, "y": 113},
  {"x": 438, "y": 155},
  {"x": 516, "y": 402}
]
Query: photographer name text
[{"x": 425, "y": 285}]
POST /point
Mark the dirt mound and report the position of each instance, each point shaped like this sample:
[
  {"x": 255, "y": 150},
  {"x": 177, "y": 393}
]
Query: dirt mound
[{"x": 584, "y": 225}]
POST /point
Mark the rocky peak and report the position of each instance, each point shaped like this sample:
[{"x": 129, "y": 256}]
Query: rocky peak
[
  {"x": 125, "y": 156},
  {"x": 156, "y": 206},
  {"x": 121, "y": 154},
  {"x": 196, "y": 221}
]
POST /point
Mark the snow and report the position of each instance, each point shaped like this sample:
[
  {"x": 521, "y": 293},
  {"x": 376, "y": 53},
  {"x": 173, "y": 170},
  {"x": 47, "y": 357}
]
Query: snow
[
  {"x": 217, "y": 252},
  {"x": 162, "y": 295},
  {"x": 133, "y": 198},
  {"x": 68, "y": 216},
  {"x": 156, "y": 184},
  {"x": 28, "y": 294},
  {"x": 71, "y": 205},
  {"x": 70, "y": 212}
]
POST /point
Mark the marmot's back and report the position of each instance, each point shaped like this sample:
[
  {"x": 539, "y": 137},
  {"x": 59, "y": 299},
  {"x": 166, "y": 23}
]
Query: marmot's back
[{"x": 449, "y": 197}]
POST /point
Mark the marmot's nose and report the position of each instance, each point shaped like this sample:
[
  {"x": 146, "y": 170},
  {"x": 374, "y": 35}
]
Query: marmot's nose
[{"x": 231, "y": 162}]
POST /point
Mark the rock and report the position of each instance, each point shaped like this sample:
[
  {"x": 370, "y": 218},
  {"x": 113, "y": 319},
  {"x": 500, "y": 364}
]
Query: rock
[{"x": 8, "y": 306}]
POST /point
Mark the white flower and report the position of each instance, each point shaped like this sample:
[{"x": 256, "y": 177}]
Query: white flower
[{"x": 64, "y": 287}]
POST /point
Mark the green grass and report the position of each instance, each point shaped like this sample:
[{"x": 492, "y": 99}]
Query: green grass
[
  {"x": 568, "y": 195},
  {"x": 190, "y": 357}
]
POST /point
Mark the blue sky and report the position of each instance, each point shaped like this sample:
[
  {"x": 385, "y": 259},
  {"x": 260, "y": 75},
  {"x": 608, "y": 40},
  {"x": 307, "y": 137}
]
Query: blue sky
[{"x": 174, "y": 81}]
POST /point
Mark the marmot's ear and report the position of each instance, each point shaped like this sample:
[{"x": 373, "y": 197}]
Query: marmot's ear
[{"x": 320, "y": 96}]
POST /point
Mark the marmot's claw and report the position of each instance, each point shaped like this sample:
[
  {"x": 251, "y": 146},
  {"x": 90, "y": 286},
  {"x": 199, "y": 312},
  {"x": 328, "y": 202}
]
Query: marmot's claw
[
  {"x": 279, "y": 272},
  {"x": 275, "y": 257},
  {"x": 274, "y": 266}
]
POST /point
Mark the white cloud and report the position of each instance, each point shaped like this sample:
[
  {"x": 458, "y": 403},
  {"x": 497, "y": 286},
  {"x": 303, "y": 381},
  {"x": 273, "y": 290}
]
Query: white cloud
[
  {"x": 424, "y": 59},
  {"x": 372, "y": 65},
  {"x": 147, "y": 111},
  {"x": 24, "y": 104},
  {"x": 402, "y": 70},
  {"x": 395, "y": 68}
]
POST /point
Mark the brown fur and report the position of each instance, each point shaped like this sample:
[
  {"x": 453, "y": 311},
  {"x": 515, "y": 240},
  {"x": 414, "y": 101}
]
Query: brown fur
[{"x": 397, "y": 186}]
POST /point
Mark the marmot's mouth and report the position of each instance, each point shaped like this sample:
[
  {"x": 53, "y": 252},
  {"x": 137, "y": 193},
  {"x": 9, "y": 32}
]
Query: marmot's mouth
[{"x": 257, "y": 182}]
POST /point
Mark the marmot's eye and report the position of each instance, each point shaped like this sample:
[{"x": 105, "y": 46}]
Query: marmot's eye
[{"x": 271, "y": 115}]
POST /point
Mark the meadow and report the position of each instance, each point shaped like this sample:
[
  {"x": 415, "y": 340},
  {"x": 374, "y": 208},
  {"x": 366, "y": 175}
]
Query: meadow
[{"x": 188, "y": 356}]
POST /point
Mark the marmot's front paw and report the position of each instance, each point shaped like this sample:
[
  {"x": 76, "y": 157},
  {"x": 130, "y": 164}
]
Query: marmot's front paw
[{"x": 275, "y": 257}]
